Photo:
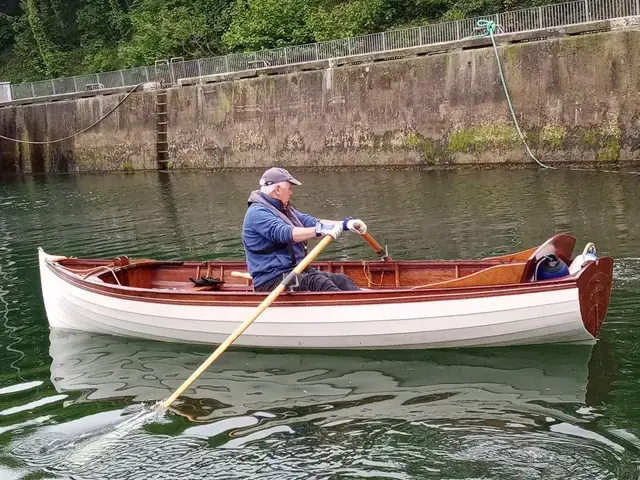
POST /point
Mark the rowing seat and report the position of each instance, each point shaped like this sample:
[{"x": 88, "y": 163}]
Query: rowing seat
[{"x": 246, "y": 275}]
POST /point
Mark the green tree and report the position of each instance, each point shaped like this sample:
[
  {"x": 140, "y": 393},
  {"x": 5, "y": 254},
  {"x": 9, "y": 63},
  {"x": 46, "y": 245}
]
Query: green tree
[
  {"x": 260, "y": 24},
  {"x": 166, "y": 30},
  {"x": 103, "y": 25},
  {"x": 218, "y": 17},
  {"x": 37, "y": 33},
  {"x": 9, "y": 12},
  {"x": 346, "y": 19}
]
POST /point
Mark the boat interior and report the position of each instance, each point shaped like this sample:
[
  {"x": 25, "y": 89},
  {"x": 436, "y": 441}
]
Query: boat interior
[{"x": 231, "y": 276}]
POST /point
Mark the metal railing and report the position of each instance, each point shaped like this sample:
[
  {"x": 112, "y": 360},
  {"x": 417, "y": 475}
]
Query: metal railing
[{"x": 569, "y": 13}]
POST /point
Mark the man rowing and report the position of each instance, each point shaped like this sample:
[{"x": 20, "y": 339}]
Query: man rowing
[{"x": 274, "y": 236}]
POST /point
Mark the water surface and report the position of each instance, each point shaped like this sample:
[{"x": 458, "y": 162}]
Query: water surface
[{"x": 526, "y": 412}]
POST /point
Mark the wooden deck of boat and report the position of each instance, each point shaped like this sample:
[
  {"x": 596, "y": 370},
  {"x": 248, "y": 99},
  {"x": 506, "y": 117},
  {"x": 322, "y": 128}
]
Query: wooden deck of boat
[{"x": 503, "y": 270}]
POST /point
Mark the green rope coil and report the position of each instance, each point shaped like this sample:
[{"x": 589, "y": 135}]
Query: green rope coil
[{"x": 490, "y": 27}]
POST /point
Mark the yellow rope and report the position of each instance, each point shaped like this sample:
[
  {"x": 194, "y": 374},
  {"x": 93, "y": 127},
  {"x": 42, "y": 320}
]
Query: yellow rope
[{"x": 365, "y": 268}]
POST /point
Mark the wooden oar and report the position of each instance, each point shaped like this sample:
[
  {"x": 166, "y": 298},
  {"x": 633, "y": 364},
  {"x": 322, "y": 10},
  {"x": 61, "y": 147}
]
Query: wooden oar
[
  {"x": 261, "y": 308},
  {"x": 376, "y": 247}
]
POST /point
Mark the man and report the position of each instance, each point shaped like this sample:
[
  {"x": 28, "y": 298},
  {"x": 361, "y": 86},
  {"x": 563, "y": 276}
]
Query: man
[{"x": 274, "y": 236}]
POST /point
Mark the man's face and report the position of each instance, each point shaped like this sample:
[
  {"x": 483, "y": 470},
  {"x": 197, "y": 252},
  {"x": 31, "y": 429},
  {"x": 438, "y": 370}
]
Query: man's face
[{"x": 283, "y": 192}]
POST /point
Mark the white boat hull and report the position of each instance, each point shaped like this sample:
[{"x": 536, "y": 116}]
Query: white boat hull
[{"x": 515, "y": 319}]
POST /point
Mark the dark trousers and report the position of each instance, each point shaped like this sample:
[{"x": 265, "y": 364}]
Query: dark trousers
[{"x": 312, "y": 280}]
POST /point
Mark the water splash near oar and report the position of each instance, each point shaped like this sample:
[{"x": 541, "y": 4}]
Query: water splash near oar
[
  {"x": 99, "y": 442},
  {"x": 73, "y": 443}
]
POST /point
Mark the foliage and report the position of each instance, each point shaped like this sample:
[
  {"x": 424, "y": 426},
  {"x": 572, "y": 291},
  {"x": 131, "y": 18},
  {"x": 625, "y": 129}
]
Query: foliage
[
  {"x": 346, "y": 19},
  {"x": 102, "y": 24},
  {"x": 165, "y": 33},
  {"x": 50, "y": 38},
  {"x": 259, "y": 24}
]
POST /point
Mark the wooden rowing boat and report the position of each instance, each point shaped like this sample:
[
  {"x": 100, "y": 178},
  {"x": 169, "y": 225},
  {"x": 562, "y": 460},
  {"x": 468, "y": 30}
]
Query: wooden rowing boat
[{"x": 403, "y": 304}]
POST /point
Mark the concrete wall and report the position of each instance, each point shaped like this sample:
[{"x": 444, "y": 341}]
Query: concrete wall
[
  {"x": 577, "y": 98},
  {"x": 125, "y": 140}
]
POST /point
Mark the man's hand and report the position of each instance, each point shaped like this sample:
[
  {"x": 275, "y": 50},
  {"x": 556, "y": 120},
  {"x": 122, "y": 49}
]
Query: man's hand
[
  {"x": 355, "y": 225},
  {"x": 333, "y": 229}
]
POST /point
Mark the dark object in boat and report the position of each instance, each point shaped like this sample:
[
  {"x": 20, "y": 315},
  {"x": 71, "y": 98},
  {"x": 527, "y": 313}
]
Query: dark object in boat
[{"x": 215, "y": 283}]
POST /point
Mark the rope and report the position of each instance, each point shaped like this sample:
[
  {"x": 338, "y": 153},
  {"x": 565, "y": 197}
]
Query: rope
[
  {"x": 367, "y": 271},
  {"x": 103, "y": 267},
  {"x": 77, "y": 133},
  {"x": 490, "y": 28}
]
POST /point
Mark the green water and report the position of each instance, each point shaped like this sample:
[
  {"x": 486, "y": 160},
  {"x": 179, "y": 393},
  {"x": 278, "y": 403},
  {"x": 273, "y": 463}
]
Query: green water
[{"x": 528, "y": 412}]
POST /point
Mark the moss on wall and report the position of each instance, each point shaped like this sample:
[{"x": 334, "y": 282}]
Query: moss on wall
[{"x": 479, "y": 138}]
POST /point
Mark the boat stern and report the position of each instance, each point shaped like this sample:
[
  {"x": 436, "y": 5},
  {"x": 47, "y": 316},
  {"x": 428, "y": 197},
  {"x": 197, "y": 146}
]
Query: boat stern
[{"x": 594, "y": 289}]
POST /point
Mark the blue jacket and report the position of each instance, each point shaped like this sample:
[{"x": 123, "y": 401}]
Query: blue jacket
[{"x": 263, "y": 229}]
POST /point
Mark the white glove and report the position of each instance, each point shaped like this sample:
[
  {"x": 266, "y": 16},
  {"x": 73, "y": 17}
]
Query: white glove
[
  {"x": 329, "y": 229},
  {"x": 335, "y": 231},
  {"x": 356, "y": 226}
]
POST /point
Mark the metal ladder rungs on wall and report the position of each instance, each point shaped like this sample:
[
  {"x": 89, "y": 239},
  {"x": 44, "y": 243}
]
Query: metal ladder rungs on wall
[{"x": 162, "y": 142}]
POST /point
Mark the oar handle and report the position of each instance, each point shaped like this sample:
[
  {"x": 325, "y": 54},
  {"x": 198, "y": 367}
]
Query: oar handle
[
  {"x": 238, "y": 331},
  {"x": 376, "y": 247}
]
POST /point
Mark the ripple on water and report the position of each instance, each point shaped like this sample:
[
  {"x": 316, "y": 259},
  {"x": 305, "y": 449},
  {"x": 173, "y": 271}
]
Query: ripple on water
[
  {"x": 383, "y": 448},
  {"x": 626, "y": 271}
]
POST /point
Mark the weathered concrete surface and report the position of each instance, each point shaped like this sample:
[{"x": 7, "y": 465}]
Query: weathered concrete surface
[
  {"x": 125, "y": 140},
  {"x": 577, "y": 98}
]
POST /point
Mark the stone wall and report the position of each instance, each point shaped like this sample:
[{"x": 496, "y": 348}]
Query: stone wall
[
  {"x": 125, "y": 140},
  {"x": 576, "y": 95}
]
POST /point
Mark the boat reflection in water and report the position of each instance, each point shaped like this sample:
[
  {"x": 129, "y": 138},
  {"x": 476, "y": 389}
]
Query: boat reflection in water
[{"x": 522, "y": 384}]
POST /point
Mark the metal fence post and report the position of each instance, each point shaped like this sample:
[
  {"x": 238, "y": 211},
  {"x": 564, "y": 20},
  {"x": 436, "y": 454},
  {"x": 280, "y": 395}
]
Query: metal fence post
[
  {"x": 199, "y": 69},
  {"x": 586, "y": 11},
  {"x": 75, "y": 85},
  {"x": 384, "y": 41},
  {"x": 53, "y": 87},
  {"x": 540, "y": 17},
  {"x": 349, "y": 45},
  {"x": 637, "y": 7},
  {"x": 286, "y": 60},
  {"x": 457, "y": 29},
  {"x": 226, "y": 62},
  {"x": 318, "y": 56},
  {"x": 33, "y": 91},
  {"x": 122, "y": 78}
]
